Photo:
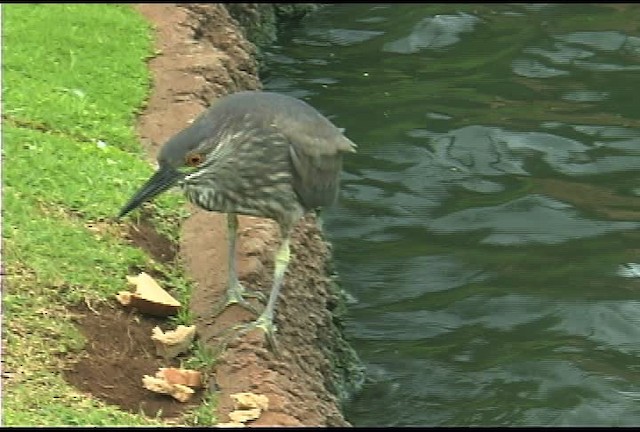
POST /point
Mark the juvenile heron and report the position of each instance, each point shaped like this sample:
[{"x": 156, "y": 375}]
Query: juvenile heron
[{"x": 253, "y": 153}]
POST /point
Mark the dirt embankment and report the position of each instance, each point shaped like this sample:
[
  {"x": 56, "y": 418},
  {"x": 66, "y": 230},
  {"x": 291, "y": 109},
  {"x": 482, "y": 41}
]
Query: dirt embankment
[{"x": 203, "y": 54}]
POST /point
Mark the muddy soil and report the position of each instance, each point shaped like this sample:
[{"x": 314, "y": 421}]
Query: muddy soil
[
  {"x": 116, "y": 358},
  {"x": 202, "y": 55}
]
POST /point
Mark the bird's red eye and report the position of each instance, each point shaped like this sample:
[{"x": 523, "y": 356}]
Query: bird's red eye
[{"x": 194, "y": 159}]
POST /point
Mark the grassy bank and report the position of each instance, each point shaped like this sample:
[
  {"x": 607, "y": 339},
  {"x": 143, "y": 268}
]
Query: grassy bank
[{"x": 74, "y": 77}]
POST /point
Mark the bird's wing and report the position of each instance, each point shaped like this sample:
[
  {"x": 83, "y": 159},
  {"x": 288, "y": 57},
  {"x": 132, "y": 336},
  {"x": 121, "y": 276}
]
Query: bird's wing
[{"x": 316, "y": 149}]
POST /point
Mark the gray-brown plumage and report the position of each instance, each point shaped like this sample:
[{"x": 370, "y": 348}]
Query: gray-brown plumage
[{"x": 254, "y": 153}]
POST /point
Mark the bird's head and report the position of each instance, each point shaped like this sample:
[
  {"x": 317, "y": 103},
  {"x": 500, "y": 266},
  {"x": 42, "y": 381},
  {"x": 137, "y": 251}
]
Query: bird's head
[{"x": 182, "y": 155}]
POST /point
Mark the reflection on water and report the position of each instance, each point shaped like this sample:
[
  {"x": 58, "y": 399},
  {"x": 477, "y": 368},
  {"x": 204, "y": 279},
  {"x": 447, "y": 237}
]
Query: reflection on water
[
  {"x": 433, "y": 32},
  {"x": 488, "y": 225}
]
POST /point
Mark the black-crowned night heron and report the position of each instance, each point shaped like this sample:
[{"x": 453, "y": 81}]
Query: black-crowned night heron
[{"x": 253, "y": 153}]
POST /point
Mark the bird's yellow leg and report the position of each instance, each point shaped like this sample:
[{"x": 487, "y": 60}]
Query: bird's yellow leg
[
  {"x": 265, "y": 320},
  {"x": 235, "y": 293}
]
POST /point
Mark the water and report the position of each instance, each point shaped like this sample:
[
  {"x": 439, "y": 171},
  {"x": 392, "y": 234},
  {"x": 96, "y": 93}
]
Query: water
[{"x": 488, "y": 225}]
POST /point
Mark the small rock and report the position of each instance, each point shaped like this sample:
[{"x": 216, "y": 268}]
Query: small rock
[
  {"x": 250, "y": 400},
  {"x": 149, "y": 297},
  {"x": 188, "y": 377},
  {"x": 242, "y": 416},
  {"x": 172, "y": 343},
  {"x": 178, "y": 391}
]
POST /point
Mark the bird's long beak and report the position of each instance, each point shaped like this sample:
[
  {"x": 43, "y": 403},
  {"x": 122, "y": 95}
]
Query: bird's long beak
[{"x": 163, "y": 179}]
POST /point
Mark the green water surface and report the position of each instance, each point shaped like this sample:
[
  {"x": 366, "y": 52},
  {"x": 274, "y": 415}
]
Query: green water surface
[{"x": 488, "y": 225}]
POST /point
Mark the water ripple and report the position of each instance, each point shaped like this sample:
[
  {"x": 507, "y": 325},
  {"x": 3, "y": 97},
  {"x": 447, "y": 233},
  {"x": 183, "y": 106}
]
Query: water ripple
[
  {"x": 412, "y": 278},
  {"x": 530, "y": 219},
  {"x": 344, "y": 37},
  {"x": 488, "y": 223},
  {"x": 613, "y": 324},
  {"x": 433, "y": 33},
  {"x": 490, "y": 151},
  {"x": 534, "y": 69}
]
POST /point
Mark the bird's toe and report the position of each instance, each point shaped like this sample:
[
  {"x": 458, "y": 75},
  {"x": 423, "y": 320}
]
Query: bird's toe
[
  {"x": 266, "y": 326},
  {"x": 237, "y": 296}
]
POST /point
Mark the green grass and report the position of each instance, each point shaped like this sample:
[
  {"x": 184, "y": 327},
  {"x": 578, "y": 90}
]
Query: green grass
[
  {"x": 74, "y": 78},
  {"x": 78, "y": 69},
  {"x": 205, "y": 414}
]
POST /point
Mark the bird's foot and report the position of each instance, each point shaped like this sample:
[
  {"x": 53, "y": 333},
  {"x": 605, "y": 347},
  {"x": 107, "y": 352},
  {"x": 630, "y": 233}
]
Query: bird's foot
[
  {"x": 263, "y": 323},
  {"x": 236, "y": 295}
]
